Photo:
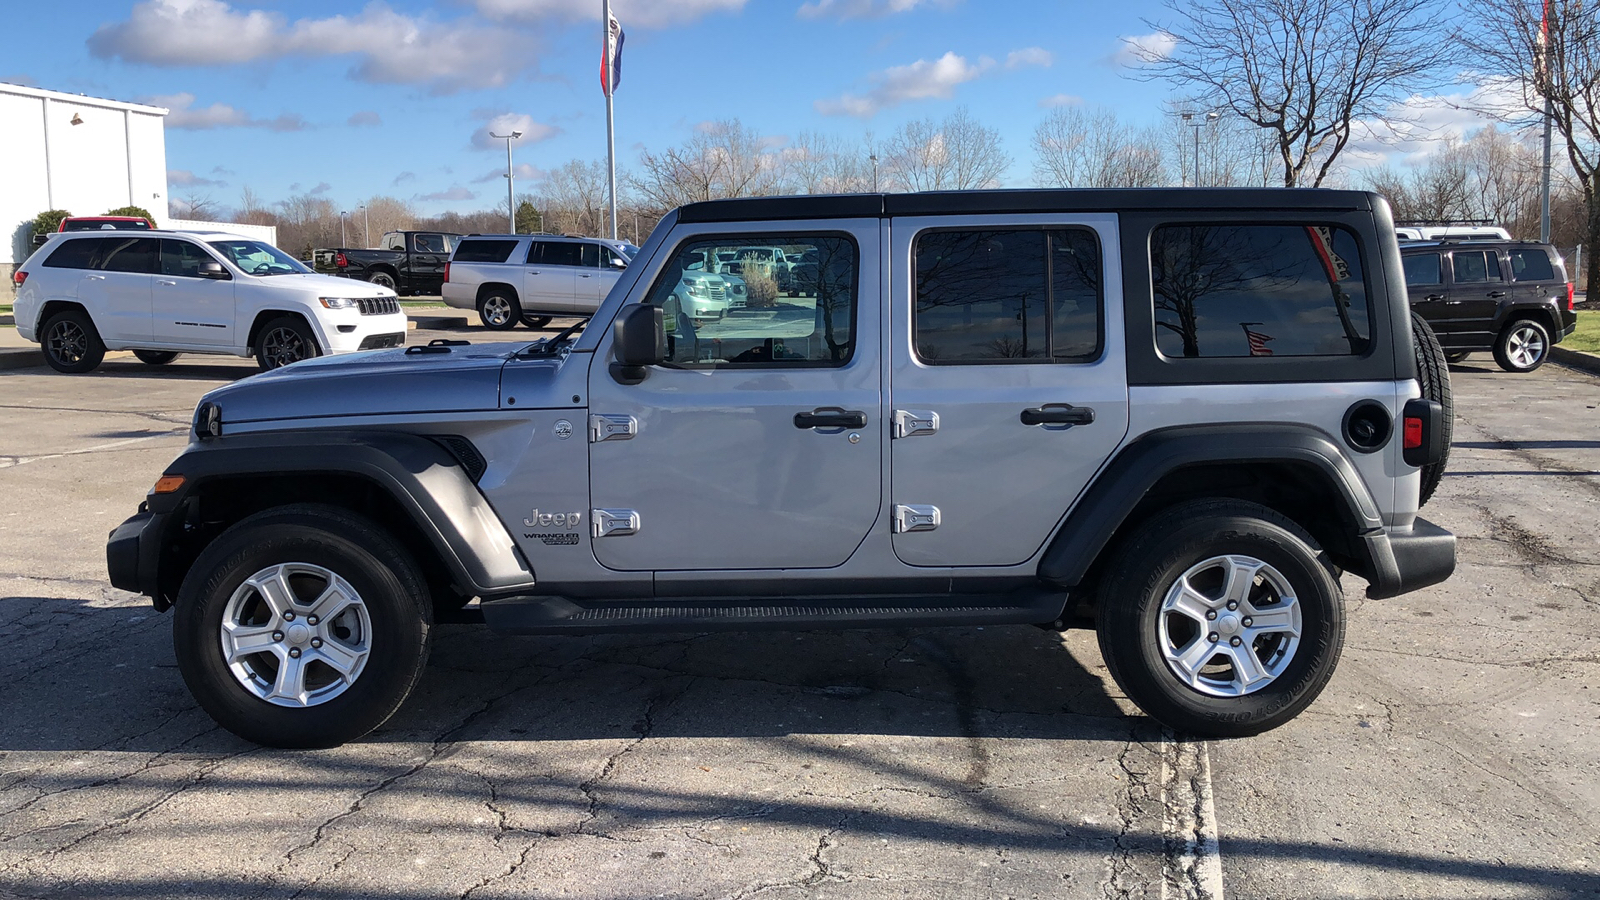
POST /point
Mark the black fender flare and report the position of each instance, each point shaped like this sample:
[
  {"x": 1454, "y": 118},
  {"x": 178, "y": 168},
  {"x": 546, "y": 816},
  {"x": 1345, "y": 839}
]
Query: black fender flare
[
  {"x": 1112, "y": 497},
  {"x": 420, "y": 475}
]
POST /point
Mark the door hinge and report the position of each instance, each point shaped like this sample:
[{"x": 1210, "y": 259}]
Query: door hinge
[
  {"x": 612, "y": 428},
  {"x": 911, "y": 517},
  {"x": 910, "y": 422},
  {"x": 614, "y": 522}
]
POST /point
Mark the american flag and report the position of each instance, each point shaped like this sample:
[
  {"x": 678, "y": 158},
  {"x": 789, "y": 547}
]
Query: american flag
[
  {"x": 1258, "y": 341},
  {"x": 611, "y": 57}
]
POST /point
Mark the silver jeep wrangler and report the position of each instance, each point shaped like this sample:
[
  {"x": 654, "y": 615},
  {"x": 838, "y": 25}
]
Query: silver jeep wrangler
[{"x": 1178, "y": 414}]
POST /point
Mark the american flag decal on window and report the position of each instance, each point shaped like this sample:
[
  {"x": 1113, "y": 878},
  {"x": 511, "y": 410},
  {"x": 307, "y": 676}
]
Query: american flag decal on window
[{"x": 1258, "y": 341}]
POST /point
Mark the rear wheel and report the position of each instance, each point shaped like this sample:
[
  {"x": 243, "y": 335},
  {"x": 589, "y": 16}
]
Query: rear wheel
[
  {"x": 1434, "y": 375},
  {"x": 499, "y": 311},
  {"x": 284, "y": 340},
  {"x": 1221, "y": 618},
  {"x": 155, "y": 357},
  {"x": 303, "y": 626},
  {"x": 71, "y": 343},
  {"x": 1455, "y": 356},
  {"x": 382, "y": 279},
  {"x": 1523, "y": 346}
]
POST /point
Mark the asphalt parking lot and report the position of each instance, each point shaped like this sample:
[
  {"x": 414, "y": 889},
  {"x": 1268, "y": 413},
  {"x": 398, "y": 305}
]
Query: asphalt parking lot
[{"x": 1455, "y": 754}]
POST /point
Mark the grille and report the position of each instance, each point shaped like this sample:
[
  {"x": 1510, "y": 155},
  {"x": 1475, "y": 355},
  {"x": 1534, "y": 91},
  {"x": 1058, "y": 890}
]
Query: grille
[
  {"x": 716, "y": 290},
  {"x": 378, "y": 306}
]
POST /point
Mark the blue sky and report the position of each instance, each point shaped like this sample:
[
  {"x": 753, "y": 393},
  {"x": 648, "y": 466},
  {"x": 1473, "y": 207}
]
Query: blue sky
[{"x": 353, "y": 99}]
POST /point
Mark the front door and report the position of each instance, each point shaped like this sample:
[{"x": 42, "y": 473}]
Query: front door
[
  {"x": 189, "y": 310},
  {"x": 759, "y": 444},
  {"x": 550, "y": 278},
  {"x": 1476, "y": 290},
  {"x": 1011, "y": 391}
]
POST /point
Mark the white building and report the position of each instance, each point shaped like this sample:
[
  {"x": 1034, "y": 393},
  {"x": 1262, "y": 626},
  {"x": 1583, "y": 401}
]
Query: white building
[{"x": 81, "y": 154}]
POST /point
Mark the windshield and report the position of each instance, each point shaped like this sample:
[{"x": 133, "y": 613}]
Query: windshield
[{"x": 257, "y": 258}]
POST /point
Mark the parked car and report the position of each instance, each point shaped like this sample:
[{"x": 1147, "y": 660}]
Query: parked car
[
  {"x": 98, "y": 223},
  {"x": 1183, "y": 413},
  {"x": 770, "y": 261},
  {"x": 408, "y": 263},
  {"x": 1451, "y": 231},
  {"x": 162, "y": 293},
  {"x": 528, "y": 278},
  {"x": 1508, "y": 297}
]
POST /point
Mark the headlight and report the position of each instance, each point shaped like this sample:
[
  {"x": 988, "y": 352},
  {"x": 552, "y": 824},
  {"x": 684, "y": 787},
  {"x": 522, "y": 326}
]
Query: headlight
[
  {"x": 737, "y": 288},
  {"x": 337, "y": 302},
  {"x": 696, "y": 288}
]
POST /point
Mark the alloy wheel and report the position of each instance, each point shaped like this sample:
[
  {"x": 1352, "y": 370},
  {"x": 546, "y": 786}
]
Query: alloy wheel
[
  {"x": 296, "y": 635},
  {"x": 1229, "y": 626},
  {"x": 496, "y": 311},
  {"x": 283, "y": 346},
  {"x": 1525, "y": 347},
  {"x": 68, "y": 342}
]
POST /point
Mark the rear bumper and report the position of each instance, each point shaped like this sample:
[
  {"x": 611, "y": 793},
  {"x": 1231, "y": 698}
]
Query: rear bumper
[{"x": 1408, "y": 561}]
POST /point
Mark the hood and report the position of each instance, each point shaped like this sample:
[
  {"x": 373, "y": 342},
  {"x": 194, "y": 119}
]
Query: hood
[
  {"x": 324, "y": 285},
  {"x": 380, "y": 382}
]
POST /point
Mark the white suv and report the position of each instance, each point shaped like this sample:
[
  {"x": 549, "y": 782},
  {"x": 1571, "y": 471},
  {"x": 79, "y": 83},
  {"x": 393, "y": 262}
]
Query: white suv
[
  {"x": 527, "y": 278},
  {"x": 161, "y": 293}
]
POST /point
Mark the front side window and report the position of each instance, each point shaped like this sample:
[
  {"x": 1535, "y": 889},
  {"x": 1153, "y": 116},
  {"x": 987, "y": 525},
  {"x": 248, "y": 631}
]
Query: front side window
[
  {"x": 129, "y": 255},
  {"x": 1475, "y": 266},
  {"x": 718, "y": 317},
  {"x": 1532, "y": 265},
  {"x": 1007, "y": 296},
  {"x": 590, "y": 256},
  {"x": 1423, "y": 268},
  {"x": 182, "y": 259},
  {"x": 429, "y": 243},
  {"x": 259, "y": 258},
  {"x": 1224, "y": 290}
]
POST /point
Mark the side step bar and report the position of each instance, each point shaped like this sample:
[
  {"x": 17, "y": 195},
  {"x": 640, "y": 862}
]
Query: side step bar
[{"x": 561, "y": 615}]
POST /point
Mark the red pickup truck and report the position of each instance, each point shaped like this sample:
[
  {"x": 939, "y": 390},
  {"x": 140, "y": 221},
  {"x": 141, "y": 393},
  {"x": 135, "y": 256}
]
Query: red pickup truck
[{"x": 99, "y": 223}]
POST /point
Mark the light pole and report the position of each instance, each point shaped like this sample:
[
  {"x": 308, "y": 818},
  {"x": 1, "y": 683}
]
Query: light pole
[
  {"x": 874, "y": 158},
  {"x": 1190, "y": 120},
  {"x": 343, "y": 241},
  {"x": 366, "y": 226},
  {"x": 511, "y": 196}
]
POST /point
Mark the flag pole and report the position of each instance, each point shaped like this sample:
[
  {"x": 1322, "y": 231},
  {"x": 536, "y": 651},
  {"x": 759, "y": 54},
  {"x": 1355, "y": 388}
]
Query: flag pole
[
  {"x": 1549, "y": 114},
  {"x": 611, "y": 133}
]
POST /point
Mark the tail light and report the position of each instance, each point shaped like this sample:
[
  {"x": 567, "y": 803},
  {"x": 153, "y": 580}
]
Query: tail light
[
  {"x": 447, "y": 278},
  {"x": 1413, "y": 432},
  {"x": 20, "y": 277},
  {"x": 340, "y": 261},
  {"x": 1571, "y": 306},
  {"x": 1421, "y": 432}
]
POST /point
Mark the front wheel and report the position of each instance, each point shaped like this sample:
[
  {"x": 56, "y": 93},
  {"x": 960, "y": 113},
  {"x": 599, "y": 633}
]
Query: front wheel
[
  {"x": 1455, "y": 356},
  {"x": 303, "y": 626},
  {"x": 155, "y": 357},
  {"x": 1523, "y": 346},
  {"x": 1221, "y": 618},
  {"x": 535, "y": 322},
  {"x": 284, "y": 340}
]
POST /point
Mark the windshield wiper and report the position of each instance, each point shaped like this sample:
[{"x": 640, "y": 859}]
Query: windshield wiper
[{"x": 551, "y": 345}]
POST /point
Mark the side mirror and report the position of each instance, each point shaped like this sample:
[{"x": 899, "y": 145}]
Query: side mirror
[
  {"x": 639, "y": 340},
  {"x": 618, "y": 262},
  {"x": 214, "y": 270}
]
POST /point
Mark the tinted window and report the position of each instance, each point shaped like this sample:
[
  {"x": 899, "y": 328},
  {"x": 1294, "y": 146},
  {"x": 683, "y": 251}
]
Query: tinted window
[
  {"x": 988, "y": 296},
  {"x": 91, "y": 225},
  {"x": 129, "y": 255},
  {"x": 1258, "y": 290},
  {"x": 1532, "y": 265},
  {"x": 562, "y": 253},
  {"x": 1475, "y": 266},
  {"x": 428, "y": 243},
  {"x": 747, "y": 319},
  {"x": 606, "y": 256},
  {"x": 182, "y": 258},
  {"x": 77, "y": 254},
  {"x": 590, "y": 255},
  {"x": 1423, "y": 269},
  {"x": 484, "y": 251}
]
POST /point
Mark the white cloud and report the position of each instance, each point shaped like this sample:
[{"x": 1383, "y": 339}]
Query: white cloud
[
  {"x": 184, "y": 116},
  {"x": 1028, "y": 56},
  {"x": 1144, "y": 49},
  {"x": 365, "y": 118},
  {"x": 1423, "y": 124},
  {"x": 388, "y": 47},
  {"x": 456, "y": 192},
  {"x": 322, "y": 188},
  {"x": 631, "y": 13},
  {"x": 402, "y": 178},
  {"x": 523, "y": 171},
  {"x": 917, "y": 81},
  {"x": 507, "y": 123},
  {"x": 186, "y": 178},
  {"x": 1055, "y": 100},
  {"x": 861, "y": 9}
]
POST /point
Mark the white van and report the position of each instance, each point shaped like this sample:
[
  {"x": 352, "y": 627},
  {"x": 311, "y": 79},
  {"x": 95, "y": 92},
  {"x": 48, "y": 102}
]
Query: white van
[{"x": 1452, "y": 233}]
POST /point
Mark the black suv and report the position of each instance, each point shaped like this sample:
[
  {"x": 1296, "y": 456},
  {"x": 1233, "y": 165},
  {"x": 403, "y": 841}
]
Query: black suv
[{"x": 1511, "y": 297}]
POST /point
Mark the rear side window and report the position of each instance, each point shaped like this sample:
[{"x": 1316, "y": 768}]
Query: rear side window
[
  {"x": 560, "y": 253},
  {"x": 1532, "y": 265},
  {"x": 1423, "y": 269},
  {"x": 1007, "y": 296},
  {"x": 77, "y": 254},
  {"x": 1475, "y": 266},
  {"x": 484, "y": 251},
  {"x": 1225, "y": 290},
  {"x": 129, "y": 255}
]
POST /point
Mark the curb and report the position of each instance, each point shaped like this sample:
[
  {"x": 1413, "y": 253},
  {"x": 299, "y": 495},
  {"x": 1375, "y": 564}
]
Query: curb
[
  {"x": 20, "y": 358},
  {"x": 1576, "y": 359},
  {"x": 8, "y": 319},
  {"x": 439, "y": 322}
]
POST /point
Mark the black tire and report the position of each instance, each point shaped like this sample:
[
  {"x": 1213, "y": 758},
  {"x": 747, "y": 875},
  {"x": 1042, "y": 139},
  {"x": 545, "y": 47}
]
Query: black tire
[
  {"x": 1454, "y": 356},
  {"x": 155, "y": 357},
  {"x": 1433, "y": 372},
  {"x": 499, "y": 310},
  {"x": 535, "y": 321},
  {"x": 369, "y": 560},
  {"x": 382, "y": 279},
  {"x": 1147, "y": 565},
  {"x": 285, "y": 340},
  {"x": 1522, "y": 346},
  {"x": 71, "y": 343}
]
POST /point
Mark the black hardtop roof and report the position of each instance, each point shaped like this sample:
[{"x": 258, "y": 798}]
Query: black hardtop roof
[{"x": 1028, "y": 200}]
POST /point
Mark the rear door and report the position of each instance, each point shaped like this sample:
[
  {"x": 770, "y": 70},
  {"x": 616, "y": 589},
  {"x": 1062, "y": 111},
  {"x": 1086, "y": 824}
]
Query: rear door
[
  {"x": 117, "y": 291},
  {"x": 550, "y": 279},
  {"x": 425, "y": 265},
  {"x": 189, "y": 310},
  {"x": 1008, "y": 388},
  {"x": 1476, "y": 291}
]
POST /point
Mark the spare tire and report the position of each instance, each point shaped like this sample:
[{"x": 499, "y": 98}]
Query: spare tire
[{"x": 1434, "y": 374}]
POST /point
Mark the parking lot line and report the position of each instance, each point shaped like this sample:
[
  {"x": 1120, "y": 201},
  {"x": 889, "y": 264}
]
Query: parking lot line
[
  {"x": 1192, "y": 867},
  {"x": 11, "y": 462}
]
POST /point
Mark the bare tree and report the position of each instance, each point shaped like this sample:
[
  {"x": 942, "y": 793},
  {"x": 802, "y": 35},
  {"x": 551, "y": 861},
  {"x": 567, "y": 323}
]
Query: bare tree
[
  {"x": 574, "y": 197},
  {"x": 1491, "y": 175},
  {"x": 1303, "y": 70},
  {"x": 1554, "y": 61},
  {"x": 385, "y": 214},
  {"x": 1076, "y": 147},
  {"x": 722, "y": 159},
  {"x": 957, "y": 153},
  {"x": 197, "y": 207}
]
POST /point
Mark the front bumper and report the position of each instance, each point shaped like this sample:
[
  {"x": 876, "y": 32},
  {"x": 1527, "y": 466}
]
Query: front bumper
[
  {"x": 1407, "y": 561},
  {"x": 133, "y": 552},
  {"x": 363, "y": 329}
]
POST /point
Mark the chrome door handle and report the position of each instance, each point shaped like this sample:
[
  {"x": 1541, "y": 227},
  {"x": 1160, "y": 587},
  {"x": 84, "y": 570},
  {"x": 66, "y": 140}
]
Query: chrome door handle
[
  {"x": 1434, "y": 297},
  {"x": 533, "y": 271},
  {"x": 164, "y": 281},
  {"x": 95, "y": 277},
  {"x": 1058, "y": 414}
]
